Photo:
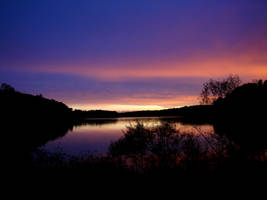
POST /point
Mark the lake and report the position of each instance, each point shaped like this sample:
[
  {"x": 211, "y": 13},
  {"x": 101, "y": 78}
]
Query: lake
[{"x": 96, "y": 135}]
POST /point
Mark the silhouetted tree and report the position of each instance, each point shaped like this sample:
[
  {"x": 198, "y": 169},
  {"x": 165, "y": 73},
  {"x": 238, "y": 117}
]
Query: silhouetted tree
[
  {"x": 6, "y": 88},
  {"x": 213, "y": 90},
  {"x": 241, "y": 115}
]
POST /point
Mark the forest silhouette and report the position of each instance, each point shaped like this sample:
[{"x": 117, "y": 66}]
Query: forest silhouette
[{"x": 240, "y": 142}]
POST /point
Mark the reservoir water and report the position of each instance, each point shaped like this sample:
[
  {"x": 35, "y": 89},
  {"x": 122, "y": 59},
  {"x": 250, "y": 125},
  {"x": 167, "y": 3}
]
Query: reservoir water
[{"x": 96, "y": 135}]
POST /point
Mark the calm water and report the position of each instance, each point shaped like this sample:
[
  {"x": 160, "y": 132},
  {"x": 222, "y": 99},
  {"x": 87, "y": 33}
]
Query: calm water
[{"x": 97, "y": 135}]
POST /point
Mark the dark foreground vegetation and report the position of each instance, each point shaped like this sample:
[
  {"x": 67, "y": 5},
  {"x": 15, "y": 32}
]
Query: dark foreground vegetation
[{"x": 238, "y": 147}]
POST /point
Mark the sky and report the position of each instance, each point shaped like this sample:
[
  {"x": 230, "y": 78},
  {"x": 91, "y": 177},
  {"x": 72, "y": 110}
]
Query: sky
[{"x": 129, "y": 54}]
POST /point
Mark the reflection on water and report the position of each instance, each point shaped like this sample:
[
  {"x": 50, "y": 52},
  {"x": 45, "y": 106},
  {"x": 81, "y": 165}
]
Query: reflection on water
[{"x": 96, "y": 135}]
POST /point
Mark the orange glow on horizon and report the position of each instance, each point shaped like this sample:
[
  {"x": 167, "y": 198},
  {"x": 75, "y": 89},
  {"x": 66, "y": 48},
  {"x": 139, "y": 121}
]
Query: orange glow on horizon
[
  {"x": 249, "y": 64},
  {"x": 138, "y": 104},
  {"x": 118, "y": 107}
]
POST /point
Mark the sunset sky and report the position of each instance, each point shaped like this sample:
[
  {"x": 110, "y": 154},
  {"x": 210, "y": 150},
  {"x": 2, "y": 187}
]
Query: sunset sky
[{"x": 129, "y": 54}]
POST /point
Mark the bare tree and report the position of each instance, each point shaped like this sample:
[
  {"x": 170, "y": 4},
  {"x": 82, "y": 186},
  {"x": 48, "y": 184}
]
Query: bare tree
[{"x": 213, "y": 89}]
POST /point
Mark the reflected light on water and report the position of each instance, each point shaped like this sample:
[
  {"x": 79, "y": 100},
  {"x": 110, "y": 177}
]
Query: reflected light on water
[{"x": 96, "y": 137}]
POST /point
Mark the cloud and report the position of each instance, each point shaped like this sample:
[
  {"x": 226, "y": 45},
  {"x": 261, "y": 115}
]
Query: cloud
[{"x": 81, "y": 91}]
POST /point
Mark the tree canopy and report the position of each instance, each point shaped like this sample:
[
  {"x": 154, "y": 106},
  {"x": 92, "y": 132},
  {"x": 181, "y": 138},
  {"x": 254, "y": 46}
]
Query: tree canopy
[
  {"x": 6, "y": 88},
  {"x": 215, "y": 89}
]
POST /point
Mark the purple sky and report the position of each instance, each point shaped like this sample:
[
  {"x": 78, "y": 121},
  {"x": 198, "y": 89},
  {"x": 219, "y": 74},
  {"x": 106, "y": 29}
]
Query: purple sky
[{"x": 129, "y": 54}]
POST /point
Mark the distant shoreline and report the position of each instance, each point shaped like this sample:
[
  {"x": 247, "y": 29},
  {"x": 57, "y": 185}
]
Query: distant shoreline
[{"x": 125, "y": 117}]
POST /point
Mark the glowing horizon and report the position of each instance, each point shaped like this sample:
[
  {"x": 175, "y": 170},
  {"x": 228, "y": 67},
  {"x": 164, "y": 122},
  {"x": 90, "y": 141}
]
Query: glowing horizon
[{"x": 118, "y": 107}]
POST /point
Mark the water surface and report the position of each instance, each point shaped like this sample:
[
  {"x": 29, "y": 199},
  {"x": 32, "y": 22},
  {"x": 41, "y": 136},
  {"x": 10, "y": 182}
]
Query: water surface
[{"x": 96, "y": 135}]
